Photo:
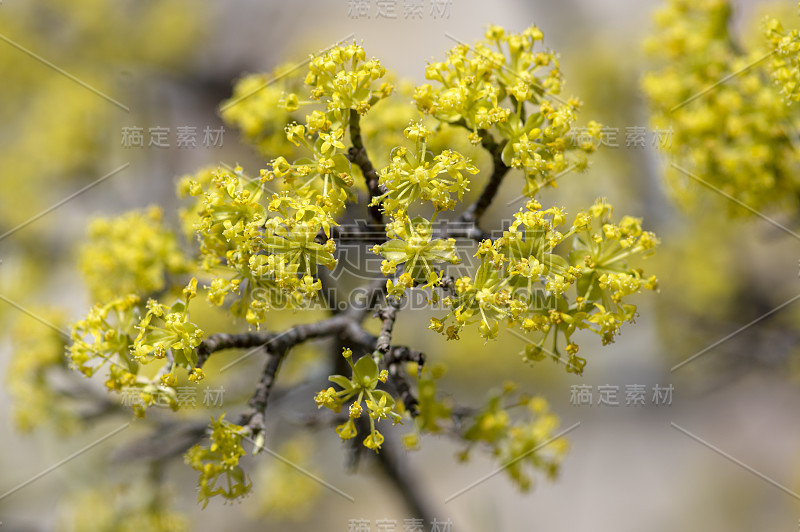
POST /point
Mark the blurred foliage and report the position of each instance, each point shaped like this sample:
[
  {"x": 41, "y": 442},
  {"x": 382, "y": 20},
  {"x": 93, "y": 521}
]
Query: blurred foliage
[
  {"x": 733, "y": 128},
  {"x": 61, "y": 128},
  {"x": 58, "y": 131},
  {"x": 132, "y": 506},
  {"x": 284, "y": 492},
  {"x": 40, "y": 353},
  {"x": 733, "y": 155}
]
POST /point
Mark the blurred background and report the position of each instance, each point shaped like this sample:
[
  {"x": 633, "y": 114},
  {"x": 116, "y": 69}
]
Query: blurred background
[{"x": 81, "y": 76}]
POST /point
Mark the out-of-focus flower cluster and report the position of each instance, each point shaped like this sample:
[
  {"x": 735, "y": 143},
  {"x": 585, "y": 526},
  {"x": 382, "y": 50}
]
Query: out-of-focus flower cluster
[
  {"x": 519, "y": 443},
  {"x": 41, "y": 352},
  {"x": 218, "y": 464},
  {"x": 731, "y": 125},
  {"x": 132, "y": 253},
  {"x": 784, "y": 63},
  {"x": 124, "y": 507}
]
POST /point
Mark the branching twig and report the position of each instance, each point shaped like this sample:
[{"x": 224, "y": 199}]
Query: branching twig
[{"x": 342, "y": 324}]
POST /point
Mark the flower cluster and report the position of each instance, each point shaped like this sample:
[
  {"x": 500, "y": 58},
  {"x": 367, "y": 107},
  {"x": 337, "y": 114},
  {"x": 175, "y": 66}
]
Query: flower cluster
[
  {"x": 517, "y": 443},
  {"x": 164, "y": 329},
  {"x": 123, "y": 335},
  {"x": 784, "y": 64},
  {"x": 104, "y": 336},
  {"x": 345, "y": 79},
  {"x": 218, "y": 464},
  {"x": 523, "y": 281},
  {"x": 418, "y": 176},
  {"x": 362, "y": 384},
  {"x": 412, "y": 244},
  {"x": 727, "y": 116},
  {"x": 270, "y": 261},
  {"x": 502, "y": 84},
  {"x": 130, "y": 254},
  {"x": 344, "y": 82}
]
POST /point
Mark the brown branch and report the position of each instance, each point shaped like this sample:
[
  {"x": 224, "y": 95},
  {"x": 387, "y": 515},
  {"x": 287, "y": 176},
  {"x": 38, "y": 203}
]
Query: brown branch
[
  {"x": 256, "y": 417},
  {"x": 219, "y": 341},
  {"x": 387, "y": 313},
  {"x": 398, "y": 356},
  {"x": 499, "y": 170},
  {"x": 358, "y": 154},
  {"x": 342, "y": 324}
]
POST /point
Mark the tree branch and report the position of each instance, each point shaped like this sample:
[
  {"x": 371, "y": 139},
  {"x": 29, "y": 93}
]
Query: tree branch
[
  {"x": 256, "y": 418},
  {"x": 219, "y": 341},
  {"x": 399, "y": 355},
  {"x": 387, "y": 313},
  {"x": 278, "y": 342},
  {"x": 499, "y": 170},
  {"x": 358, "y": 155},
  {"x": 345, "y": 325}
]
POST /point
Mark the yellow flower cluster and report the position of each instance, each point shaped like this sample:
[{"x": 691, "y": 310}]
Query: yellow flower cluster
[
  {"x": 784, "y": 63},
  {"x": 218, "y": 464},
  {"x": 518, "y": 443},
  {"x": 168, "y": 328},
  {"x": 418, "y": 176},
  {"x": 108, "y": 336},
  {"x": 269, "y": 255},
  {"x": 344, "y": 78},
  {"x": 106, "y": 332},
  {"x": 363, "y": 386},
  {"x": 473, "y": 84},
  {"x": 727, "y": 117},
  {"x": 411, "y": 243},
  {"x": 130, "y": 254},
  {"x": 523, "y": 280}
]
